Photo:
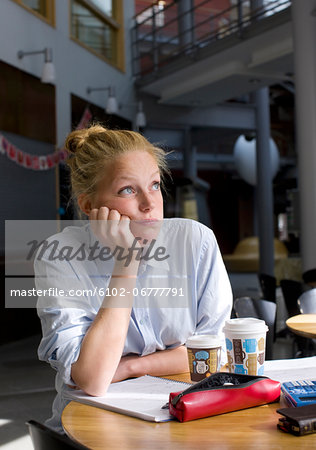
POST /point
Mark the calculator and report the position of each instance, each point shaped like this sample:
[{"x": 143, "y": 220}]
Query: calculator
[{"x": 299, "y": 393}]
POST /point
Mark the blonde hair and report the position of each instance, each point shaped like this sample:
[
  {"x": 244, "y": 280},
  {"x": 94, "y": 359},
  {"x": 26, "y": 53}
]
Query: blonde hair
[{"x": 91, "y": 149}]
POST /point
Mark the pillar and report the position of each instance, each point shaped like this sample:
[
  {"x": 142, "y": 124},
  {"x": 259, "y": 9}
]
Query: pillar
[
  {"x": 185, "y": 23},
  {"x": 304, "y": 33},
  {"x": 264, "y": 188}
]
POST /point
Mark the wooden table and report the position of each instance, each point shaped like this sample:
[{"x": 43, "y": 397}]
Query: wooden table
[
  {"x": 253, "y": 428},
  {"x": 303, "y": 325}
]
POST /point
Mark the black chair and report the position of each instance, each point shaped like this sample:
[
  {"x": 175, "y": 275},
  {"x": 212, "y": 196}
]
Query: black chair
[
  {"x": 268, "y": 286},
  {"x": 291, "y": 291},
  {"x": 307, "y": 302},
  {"x": 260, "y": 309},
  {"x": 307, "y": 305},
  {"x": 44, "y": 438},
  {"x": 309, "y": 277}
]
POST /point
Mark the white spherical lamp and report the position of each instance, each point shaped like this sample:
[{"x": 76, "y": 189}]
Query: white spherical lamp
[{"x": 246, "y": 162}]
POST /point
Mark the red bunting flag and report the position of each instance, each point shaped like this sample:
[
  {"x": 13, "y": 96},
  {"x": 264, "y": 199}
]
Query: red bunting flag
[
  {"x": 2, "y": 145},
  {"x": 12, "y": 152},
  {"x": 35, "y": 162},
  {"x": 42, "y": 162},
  {"x": 27, "y": 162},
  {"x": 86, "y": 117}
]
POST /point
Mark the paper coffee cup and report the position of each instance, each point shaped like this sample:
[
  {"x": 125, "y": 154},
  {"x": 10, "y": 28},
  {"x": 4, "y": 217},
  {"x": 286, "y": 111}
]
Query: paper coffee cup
[
  {"x": 245, "y": 344},
  {"x": 204, "y": 354}
]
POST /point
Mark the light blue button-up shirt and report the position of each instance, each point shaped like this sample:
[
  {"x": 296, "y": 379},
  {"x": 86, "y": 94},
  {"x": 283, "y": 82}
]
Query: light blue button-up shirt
[{"x": 185, "y": 291}]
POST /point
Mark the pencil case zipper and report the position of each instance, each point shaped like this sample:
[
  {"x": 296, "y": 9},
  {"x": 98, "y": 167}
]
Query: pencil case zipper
[{"x": 219, "y": 380}]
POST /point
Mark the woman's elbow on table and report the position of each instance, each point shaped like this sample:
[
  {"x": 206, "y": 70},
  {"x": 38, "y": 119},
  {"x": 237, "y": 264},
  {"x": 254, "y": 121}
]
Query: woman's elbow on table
[
  {"x": 94, "y": 385},
  {"x": 96, "y": 391}
]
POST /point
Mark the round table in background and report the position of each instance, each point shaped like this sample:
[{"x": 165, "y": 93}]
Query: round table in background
[{"x": 303, "y": 325}]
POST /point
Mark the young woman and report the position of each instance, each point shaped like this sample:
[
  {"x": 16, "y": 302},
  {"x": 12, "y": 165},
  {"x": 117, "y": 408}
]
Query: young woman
[{"x": 128, "y": 288}]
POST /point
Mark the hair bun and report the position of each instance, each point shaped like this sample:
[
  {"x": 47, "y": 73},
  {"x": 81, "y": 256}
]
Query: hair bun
[
  {"x": 75, "y": 141},
  {"x": 78, "y": 138}
]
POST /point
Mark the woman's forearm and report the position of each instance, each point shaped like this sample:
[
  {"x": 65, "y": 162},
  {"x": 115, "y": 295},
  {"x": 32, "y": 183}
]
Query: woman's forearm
[
  {"x": 163, "y": 362},
  {"x": 103, "y": 344}
]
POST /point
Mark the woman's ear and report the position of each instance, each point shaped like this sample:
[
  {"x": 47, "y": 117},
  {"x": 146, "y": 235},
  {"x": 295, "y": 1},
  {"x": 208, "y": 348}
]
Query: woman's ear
[{"x": 84, "y": 203}]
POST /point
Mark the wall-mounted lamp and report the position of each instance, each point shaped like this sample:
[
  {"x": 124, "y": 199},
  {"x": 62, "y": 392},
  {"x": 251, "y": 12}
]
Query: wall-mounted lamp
[
  {"x": 140, "y": 120},
  {"x": 111, "y": 104},
  {"x": 48, "y": 72}
]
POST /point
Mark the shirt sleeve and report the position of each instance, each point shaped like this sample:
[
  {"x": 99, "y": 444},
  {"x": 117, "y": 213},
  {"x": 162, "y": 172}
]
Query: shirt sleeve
[
  {"x": 214, "y": 294},
  {"x": 65, "y": 318}
]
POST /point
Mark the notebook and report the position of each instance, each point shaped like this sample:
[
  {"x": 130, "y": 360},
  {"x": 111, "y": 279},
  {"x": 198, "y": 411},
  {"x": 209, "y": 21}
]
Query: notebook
[
  {"x": 141, "y": 397},
  {"x": 291, "y": 369}
]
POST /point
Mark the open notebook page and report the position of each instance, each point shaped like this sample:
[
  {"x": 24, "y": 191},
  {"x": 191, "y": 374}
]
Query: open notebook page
[
  {"x": 140, "y": 397},
  {"x": 291, "y": 369}
]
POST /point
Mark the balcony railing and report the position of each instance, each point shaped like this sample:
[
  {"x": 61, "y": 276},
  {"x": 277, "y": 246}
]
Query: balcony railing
[{"x": 164, "y": 32}]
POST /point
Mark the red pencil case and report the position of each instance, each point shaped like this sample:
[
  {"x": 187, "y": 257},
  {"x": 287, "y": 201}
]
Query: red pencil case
[{"x": 221, "y": 393}]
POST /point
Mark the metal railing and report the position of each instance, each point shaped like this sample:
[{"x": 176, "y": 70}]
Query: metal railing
[{"x": 162, "y": 33}]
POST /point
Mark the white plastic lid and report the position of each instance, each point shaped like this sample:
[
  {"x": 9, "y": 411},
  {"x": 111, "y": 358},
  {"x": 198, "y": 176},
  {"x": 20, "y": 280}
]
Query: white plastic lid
[
  {"x": 203, "y": 341},
  {"x": 245, "y": 325}
]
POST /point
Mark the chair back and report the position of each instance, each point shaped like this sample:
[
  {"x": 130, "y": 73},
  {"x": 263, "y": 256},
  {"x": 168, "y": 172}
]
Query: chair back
[
  {"x": 244, "y": 307},
  {"x": 291, "y": 291},
  {"x": 44, "y": 438},
  {"x": 309, "y": 277},
  {"x": 260, "y": 309},
  {"x": 307, "y": 302},
  {"x": 268, "y": 286}
]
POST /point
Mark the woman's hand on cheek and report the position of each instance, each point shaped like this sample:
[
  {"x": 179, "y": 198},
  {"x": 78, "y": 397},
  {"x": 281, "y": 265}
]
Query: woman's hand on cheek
[{"x": 111, "y": 227}]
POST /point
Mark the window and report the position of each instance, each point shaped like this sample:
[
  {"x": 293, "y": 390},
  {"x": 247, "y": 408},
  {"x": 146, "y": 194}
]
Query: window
[
  {"x": 42, "y": 8},
  {"x": 97, "y": 24},
  {"x": 104, "y": 5}
]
